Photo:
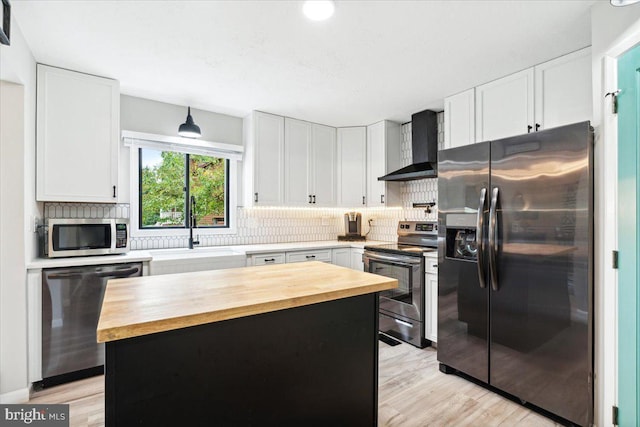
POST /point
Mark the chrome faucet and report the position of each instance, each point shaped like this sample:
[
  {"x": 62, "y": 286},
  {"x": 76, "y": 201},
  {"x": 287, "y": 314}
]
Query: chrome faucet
[{"x": 192, "y": 223}]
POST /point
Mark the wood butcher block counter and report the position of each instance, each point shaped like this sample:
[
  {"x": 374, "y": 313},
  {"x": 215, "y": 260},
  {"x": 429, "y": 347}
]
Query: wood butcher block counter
[{"x": 290, "y": 344}]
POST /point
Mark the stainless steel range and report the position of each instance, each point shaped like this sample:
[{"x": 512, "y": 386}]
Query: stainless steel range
[{"x": 402, "y": 311}]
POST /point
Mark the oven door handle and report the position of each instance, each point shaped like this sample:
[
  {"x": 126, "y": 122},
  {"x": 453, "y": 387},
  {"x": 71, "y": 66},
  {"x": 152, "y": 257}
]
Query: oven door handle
[{"x": 397, "y": 260}]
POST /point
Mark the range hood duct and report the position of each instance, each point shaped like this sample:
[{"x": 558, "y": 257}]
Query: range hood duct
[{"x": 424, "y": 149}]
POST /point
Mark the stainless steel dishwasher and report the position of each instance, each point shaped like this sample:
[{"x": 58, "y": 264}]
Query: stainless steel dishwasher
[{"x": 71, "y": 303}]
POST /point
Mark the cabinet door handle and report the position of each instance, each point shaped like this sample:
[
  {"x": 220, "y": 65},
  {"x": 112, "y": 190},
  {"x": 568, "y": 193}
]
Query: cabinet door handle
[
  {"x": 114, "y": 191},
  {"x": 270, "y": 260},
  {"x": 435, "y": 266},
  {"x": 255, "y": 199},
  {"x": 309, "y": 198},
  {"x": 363, "y": 200},
  {"x": 382, "y": 198},
  {"x": 314, "y": 199},
  {"x": 311, "y": 256},
  {"x": 529, "y": 127},
  {"x": 537, "y": 127}
]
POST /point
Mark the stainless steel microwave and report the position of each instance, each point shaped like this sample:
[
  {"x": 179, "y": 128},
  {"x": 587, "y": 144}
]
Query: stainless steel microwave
[{"x": 82, "y": 237}]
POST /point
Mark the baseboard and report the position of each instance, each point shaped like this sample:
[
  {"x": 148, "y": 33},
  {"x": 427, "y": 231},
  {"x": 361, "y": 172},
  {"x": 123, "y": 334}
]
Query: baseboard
[{"x": 17, "y": 396}]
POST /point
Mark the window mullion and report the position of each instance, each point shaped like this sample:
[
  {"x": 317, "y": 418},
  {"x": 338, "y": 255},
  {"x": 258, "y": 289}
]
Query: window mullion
[{"x": 187, "y": 191}]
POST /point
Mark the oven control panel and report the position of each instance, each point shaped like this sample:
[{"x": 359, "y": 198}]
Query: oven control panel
[{"x": 417, "y": 227}]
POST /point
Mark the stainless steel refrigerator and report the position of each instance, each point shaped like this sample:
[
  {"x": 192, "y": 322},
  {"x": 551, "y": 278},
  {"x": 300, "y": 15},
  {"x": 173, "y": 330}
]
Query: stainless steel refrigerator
[{"x": 515, "y": 287}]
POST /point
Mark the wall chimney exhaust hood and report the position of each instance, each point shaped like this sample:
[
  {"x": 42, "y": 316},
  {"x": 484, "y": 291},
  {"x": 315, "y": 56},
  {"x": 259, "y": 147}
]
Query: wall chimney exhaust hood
[{"x": 424, "y": 149}]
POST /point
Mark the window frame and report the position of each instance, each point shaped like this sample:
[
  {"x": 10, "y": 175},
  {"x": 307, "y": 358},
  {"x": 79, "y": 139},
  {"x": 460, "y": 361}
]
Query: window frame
[
  {"x": 131, "y": 141},
  {"x": 187, "y": 195}
]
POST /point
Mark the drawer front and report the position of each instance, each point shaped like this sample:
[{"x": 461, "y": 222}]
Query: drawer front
[
  {"x": 431, "y": 264},
  {"x": 302, "y": 256},
  {"x": 267, "y": 259}
]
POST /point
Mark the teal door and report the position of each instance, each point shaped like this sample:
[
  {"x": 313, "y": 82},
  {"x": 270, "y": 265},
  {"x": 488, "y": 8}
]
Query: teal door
[{"x": 628, "y": 185}]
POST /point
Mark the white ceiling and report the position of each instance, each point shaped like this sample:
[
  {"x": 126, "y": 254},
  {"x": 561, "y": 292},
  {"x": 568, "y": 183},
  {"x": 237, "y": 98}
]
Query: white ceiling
[{"x": 372, "y": 60}]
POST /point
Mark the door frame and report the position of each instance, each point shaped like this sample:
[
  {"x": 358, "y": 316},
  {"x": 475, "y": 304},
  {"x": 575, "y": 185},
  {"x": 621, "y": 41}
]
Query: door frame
[{"x": 606, "y": 241}]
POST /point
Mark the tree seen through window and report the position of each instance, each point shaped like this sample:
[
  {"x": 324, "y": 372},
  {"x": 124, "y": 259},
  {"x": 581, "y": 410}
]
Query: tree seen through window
[{"x": 164, "y": 179}]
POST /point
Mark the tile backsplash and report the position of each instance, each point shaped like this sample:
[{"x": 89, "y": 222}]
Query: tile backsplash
[
  {"x": 86, "y": 210},
  {"x": 276, "y": 225}
]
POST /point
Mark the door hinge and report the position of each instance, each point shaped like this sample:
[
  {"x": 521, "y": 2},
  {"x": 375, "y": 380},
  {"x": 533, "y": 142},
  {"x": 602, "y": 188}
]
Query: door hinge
[
  {"x": 614, "y": 259},
  {"x": 614, "y": 100},
  {"x": 614, "y": 415}
]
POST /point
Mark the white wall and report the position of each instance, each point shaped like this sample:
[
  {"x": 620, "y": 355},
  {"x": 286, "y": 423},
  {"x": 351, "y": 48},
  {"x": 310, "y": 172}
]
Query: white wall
[
  {"x": 611, "y": 28},
  {"x": 17, "y": 195}
]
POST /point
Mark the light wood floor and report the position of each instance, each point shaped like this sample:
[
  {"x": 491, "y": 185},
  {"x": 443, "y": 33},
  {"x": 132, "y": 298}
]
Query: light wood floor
[{"x": 412, "y": 392}]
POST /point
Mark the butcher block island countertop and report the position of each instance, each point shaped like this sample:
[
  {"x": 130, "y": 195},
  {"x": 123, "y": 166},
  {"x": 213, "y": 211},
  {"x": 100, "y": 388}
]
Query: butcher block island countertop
[
  {"x": 281, "y": 345},
  {"x": 145, "y": 305}
]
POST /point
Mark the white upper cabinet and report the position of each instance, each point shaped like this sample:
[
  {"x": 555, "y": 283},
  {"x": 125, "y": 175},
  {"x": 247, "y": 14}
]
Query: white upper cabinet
[
  {"x": 297, "y": 166},
  {"x": 310, "y": 152},
  {"x": 563, "y": 90},
  {"x": 383, "y": 156},
  {"x": 323, "y": 165},
  {"x": 554, "y": 93},
  {"x": 460, "y": 119},
  {"x": 263, "y": 161},
  {"x": 78, "y": 126},
  {"x": 352, "y": 166},
  {"x": 504, "y": 107}
]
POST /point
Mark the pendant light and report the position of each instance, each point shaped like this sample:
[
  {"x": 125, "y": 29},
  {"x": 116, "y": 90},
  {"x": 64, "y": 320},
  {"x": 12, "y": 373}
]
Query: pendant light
[{"x": 188, "y": 128}]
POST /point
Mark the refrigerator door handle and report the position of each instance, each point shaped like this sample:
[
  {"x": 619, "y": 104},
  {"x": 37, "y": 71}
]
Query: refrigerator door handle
[
  {"x": 493, "y": 239},
  {"x": 480, "y": 237}
]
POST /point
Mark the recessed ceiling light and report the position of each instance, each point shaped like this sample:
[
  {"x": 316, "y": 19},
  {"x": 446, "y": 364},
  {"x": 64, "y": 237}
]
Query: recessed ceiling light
[
  {"x": 318, "y": 10},
  {"x": 623, "y": 2}
]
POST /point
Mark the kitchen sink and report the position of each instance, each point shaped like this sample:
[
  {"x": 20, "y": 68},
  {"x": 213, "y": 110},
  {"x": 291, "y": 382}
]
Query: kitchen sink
[
  {"x": 195, "y": 252},
  {"x": 183, "y": 260}
]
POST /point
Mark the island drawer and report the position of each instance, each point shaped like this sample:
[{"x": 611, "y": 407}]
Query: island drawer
[
  {"x": 267, "y": 259},
  {"x": 302, "y": 256}
]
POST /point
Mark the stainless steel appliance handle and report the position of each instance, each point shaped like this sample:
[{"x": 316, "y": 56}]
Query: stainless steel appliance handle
[
  {"x": 396, "y": 259},
  {"x": 493, "y": 239},
  {"x": 480, "y": 237},
  {"x": 118, "y": 273},
  {"x": 65, "y": 276},
  {"x": 403, "y": 323}
]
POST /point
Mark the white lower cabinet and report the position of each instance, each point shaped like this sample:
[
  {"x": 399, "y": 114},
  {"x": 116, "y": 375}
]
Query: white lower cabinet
[
  {"x": 357, "y": 262},
  {"x": 431, "y": 298},
  {"x": 315, "y": 255},
  {"x": 345, "y": 257},
  {"x": 266, "y": 259},
  {"x": 341, "y": 257}
]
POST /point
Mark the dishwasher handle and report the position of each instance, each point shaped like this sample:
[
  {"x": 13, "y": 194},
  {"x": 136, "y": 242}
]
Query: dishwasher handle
[
  {"x": 65, "y": 276},
  {"x": 118, "y": 273}
]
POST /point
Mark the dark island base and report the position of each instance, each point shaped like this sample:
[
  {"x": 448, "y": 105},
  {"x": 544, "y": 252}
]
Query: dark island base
[{"x": 310, "y": 365}]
